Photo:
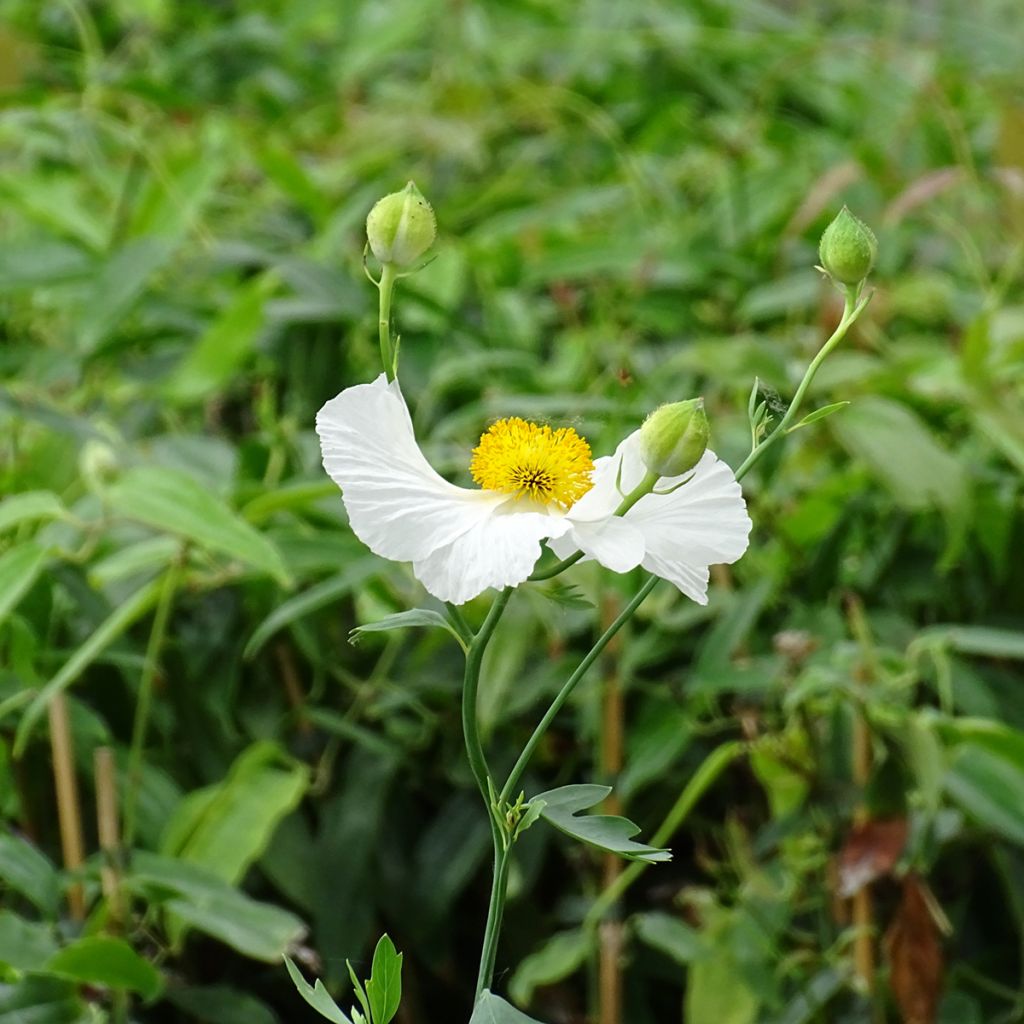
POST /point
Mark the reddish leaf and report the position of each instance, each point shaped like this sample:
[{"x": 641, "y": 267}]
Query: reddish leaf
[
  {"x": 915, "y": 956},
  {"x": 871, "y": 851}
]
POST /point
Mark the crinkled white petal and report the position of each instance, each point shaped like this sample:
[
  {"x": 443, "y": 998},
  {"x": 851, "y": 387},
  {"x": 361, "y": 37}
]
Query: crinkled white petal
[
  {"x": 704, "y": 522},
  {"x": 461, "y": 541},
  {"x": 499, "y": 551},
  {"x": 615, "y": 543},
  {"x": 701, "y": 523}
]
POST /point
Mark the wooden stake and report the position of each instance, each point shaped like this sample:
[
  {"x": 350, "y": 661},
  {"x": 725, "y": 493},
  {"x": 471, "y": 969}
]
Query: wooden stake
[
  {"x": 69, "y": 814},
  {"x": 109, "y": 833}
]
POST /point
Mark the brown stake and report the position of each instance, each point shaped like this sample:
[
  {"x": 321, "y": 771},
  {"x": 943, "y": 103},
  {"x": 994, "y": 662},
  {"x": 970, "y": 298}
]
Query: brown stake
[
  {"x": 109, "y": 832},
  {"x": 610, "y": 989},
  {"x": 69, "y": 815}
]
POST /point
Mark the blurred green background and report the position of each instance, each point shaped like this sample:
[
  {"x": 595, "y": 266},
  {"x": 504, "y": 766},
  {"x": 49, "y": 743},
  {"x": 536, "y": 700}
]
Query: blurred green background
[{"x": 629, "y": 198}]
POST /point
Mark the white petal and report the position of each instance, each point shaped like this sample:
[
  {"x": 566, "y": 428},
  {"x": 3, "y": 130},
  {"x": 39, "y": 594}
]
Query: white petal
[
  {"x": 615, "y": 543},
  {"x": 499, "y": 551},
  {"x": 397, "y": 504},
  {"x": 625, "y": 469},
  {"x": 704, "y": 522}
]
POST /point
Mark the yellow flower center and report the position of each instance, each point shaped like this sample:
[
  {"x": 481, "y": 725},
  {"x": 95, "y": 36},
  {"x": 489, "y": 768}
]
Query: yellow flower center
[{"x": 533, "y": 461}]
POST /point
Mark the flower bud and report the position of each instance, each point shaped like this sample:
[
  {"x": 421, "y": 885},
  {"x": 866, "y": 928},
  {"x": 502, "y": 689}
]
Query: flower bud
[
  {"x": 848, "y": 248},
  {"x": 674, "y": 437},
  {"x": 401, "y": 227}
]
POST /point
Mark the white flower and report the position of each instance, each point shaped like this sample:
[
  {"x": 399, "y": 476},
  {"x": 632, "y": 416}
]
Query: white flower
[{"x": 539, "y": 485}]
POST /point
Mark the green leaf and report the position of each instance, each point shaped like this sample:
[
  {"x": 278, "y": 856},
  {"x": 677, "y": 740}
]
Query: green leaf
[
  {"x": 407, "y": 620},
  {"x": 818, "y": 414},
  {"x": 670, "y": 936},
  {"x": 226, "y": 827},
  {"x": 492, "y": 1009},
  {"x": 716, "y": 991},
  {"x": 384, "y": 989},
  {"x": 102, "y": 960},
  {"x": 309, "y": 601},
  {"x": 108, "y": 631},
  {"x": 207, "y": 903},
  {"x": 19, "y": 569},
  {"x": 988, "y": 786},
  {"x": 42, "y": 1000},
  {"x": 901, "y": 451},
  {"x": 24, "y": 944},
  {"x": 604, "y": 831},
  {"x": 172, "y": 501},
  {"x": 558, "y": 957},
  {"x": 220, "y": 1004},
  {"x": 32, "y": 505},
  {"x": 26, "y": 870},
  {"x": 216, "y": 356},
  {"x": 986, "y": 641},
  {"x": 316, "y": 995}
]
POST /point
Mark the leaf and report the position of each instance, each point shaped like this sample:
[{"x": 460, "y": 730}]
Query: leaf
[
  {"x": 41, "y": 1000},
  {"x": 19, "y": 569},
  {"x": 24, "y": 944},
  {"x": 316, "y": 995},
  {"x": 914, "y": 948},
  {"x": 230, "y": 825},
  {"x": 606, "y": 832},
  {"x": 806, "y": 1007},
  {"x": 566, "y": 594},
  {"x": 220, "y": 1004},
  {"x": 116, "y": 287},
  {"x": 716, "y": 991},
  {"x": 871, "y": 851},
  {"x": 172, "y": 501},
  {"x": 407, "y": 620},
  {"x": 901, "y": 451},
  {"x": 492, "y": 1009},
  {"x": 215, "y": 357},
  {"x": 818, "y": 414},
  {"x": 986, "y": 641},
  {"x": 555, "y": 959},
  {"x": 27, "y": 871},
  {"x": 211, "y": 905},
  {"x": 384, "y": 988},
  {"x": 670, "y": 936},
  {"x": 106, "y": 633},
  {"x": 102, "y": 960},
  {"x": 316, "y": 597},
  {"x": 988, "y": 787},
  {"x": 29, "y": 506}
]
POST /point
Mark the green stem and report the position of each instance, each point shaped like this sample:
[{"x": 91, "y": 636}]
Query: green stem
[
  {"x": 145, "y": 701},
  {"x": 563, "y": 695},
  {"x": 495, "y": 916},
  {"x": 852, "y": 309},
  {"x": 482, "y": 774},
  {"x": 386, "y": 287}
]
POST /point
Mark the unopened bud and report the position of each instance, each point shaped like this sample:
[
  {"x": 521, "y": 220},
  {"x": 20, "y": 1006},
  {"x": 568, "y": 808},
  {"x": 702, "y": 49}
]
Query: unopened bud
[
  {"x": 848, "y": 248},
  {"x": 674, "y": 437},
  {"x": 401, "y": 227}
]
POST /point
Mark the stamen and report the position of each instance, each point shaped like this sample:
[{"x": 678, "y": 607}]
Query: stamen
[{"x": 530, "y": 460}]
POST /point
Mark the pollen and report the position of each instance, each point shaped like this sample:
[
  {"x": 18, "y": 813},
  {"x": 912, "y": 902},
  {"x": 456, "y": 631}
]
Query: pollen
[{"x": 532, "y": 461}]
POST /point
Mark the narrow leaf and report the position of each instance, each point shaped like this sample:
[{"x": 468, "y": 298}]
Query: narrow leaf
[
  {"x": 32, "y": 505},
  {"x": 102, "y": 960},
  {"x": 492, "y": 1009},
  {"x": 384, "y": 988},
  {"x": 818, "y": 414},
  {"x": 407, "y": 620},
  {"x": 19, "y": 569}
]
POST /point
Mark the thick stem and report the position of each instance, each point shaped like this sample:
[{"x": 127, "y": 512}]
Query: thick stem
[
  {"x": 563, "y": 695},
  {"x": 481, "y": 772},
  {"x": 386, "y": 287}
]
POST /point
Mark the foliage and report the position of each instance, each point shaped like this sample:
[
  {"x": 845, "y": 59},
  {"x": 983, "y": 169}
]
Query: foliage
[{"x": 629, "y": 202}]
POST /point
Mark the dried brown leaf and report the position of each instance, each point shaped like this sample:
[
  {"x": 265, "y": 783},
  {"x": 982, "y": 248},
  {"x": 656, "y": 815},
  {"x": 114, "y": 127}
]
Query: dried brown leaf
[
  {"x": 915, "y": 955},
  {"x": 871, "y": 851}
]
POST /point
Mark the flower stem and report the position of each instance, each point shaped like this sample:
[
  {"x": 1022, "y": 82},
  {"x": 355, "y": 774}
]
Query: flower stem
[
  {"x": 852, "y": 309},
  {"x": 484, "y": 780},
  {"x": 386, "y": 287}
]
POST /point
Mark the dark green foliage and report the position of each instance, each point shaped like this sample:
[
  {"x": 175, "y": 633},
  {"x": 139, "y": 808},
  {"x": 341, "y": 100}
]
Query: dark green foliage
[{"x": 629, "y": 198}]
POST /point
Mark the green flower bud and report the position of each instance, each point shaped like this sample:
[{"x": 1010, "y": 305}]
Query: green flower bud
[
  {"x": 401, "y": 227},
  {"x": 848, "y": 248},
  {"x": 674, "y": 437}
]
